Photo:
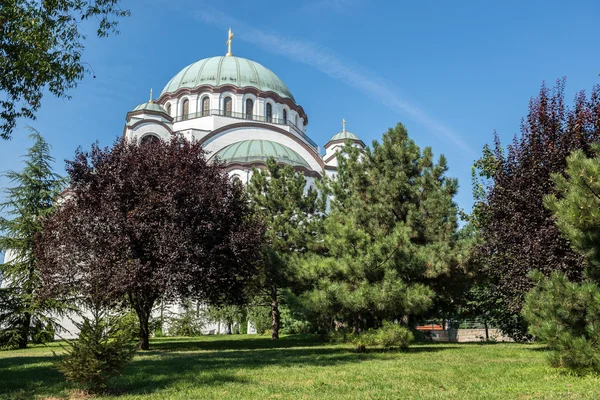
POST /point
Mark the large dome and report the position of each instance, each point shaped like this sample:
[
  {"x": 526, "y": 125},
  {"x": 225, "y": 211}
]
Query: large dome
[
  {"x": 249, "y": 151},
  {"x": 228, "y": 70}
]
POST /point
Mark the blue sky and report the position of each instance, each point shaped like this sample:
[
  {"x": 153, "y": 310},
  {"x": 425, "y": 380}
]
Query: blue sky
[{"x": 452, "y": 72}]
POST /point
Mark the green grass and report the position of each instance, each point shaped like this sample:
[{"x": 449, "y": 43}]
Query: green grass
[{"x": 251, "y": 367}]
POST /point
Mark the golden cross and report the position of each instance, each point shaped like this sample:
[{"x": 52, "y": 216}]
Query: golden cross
[
  {"x": 343, "y": 125},
  {"x": 228, "y": 43}
]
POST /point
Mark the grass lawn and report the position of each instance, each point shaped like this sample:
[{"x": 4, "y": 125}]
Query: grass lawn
[{"x": 251, "y": 367}]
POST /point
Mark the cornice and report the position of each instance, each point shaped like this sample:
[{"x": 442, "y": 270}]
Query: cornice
[
  {"x": 342, "y": 141},
  {"x": 308, "y": 148},
  {"x": 263, "y": 165},
  {"x": 151, "y": 112}
]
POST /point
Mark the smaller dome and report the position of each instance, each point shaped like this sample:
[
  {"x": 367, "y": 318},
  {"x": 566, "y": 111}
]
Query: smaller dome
[
  {"x": 150, "y": 106},
  {"x": 249, "y": 151},
  {"x": 343, "y": 136}
]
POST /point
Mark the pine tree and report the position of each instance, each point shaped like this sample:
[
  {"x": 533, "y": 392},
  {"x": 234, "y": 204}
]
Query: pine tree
[
  {"x": 564, "y": 314},
  {"x": 391, "y": 231},
  {"x": 35, "y": 190},
  {"x": 292, "y": 215},
  {"x": 576, "y": 207}
]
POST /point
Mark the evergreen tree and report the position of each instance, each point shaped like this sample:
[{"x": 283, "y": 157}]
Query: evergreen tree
[
  {"x": 31, "y": 199},
  {"x": 564, "y": 314},
  {"x": 391, "y": 231},
  {"x": 292, "y": 215},
  {"x": 576, "y": 207}
]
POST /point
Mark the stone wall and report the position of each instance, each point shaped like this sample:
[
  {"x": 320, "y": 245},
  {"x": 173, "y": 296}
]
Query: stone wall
[{"x": 466, "y": 335}]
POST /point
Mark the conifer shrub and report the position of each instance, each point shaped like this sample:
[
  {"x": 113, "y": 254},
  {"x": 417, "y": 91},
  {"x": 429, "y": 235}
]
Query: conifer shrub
[
  {"x": 566, "y": 316},
  {"x": 388, "y": 336},
  {"x": 392, "y": 335},
  {"x": 102, "y": 350}
]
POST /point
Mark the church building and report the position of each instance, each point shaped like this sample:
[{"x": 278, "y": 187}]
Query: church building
[{"x": 241, "y": 113}]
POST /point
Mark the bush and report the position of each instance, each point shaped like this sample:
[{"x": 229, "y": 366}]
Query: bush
[
  {"x": 260, "y": 317},
  {"x": 41, "y": 333},
  {"x": 566, "y": 316},
  {"x": 390, "y": 335},
  {"x": 394, "y": 335},
  {"x": 188, "y": 323},
  {"x": 103, "y": 348}
]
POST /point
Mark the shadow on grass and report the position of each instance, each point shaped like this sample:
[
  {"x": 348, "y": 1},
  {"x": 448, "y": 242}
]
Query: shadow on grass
[
  {"x": 230, "y": 343},
  {"x": 26, "y": 377},
  {"x": 188, "y": 362}
]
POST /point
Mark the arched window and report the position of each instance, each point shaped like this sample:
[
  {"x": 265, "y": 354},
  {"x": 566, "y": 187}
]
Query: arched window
[
  {"x": 205, "y": 106},
  {"x": 235, "y": 178},
  {"x": 149, "y": 138},
  {"x": 185, "y": 109},
  {"x": 284, "y": 116},
  {"x": 227, "y": 106},
  {"x": 269, "y": 112},
  {"x": 169, "y": 108},
  {"x": 249, "y": 108}
]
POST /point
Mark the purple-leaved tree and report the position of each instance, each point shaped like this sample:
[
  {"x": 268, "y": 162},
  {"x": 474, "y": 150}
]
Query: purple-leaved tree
[{"x": 149, "y": 221}]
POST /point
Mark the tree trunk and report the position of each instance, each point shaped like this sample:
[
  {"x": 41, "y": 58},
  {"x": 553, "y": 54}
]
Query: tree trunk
[
  {"x": 143, "y": 308},
  {"x": 487, "y": 335},
  {"x": 275, "y": 317},
  {"x": 24, "y": 337}
]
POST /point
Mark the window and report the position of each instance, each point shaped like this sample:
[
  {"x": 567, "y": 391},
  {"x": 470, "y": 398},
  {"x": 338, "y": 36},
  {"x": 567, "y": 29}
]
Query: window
[
  {"x": 185, "y": 109},
  {"x": 235, "y": 178},
  {"x": 296, "y": 119},
  {"x": 150, "y": 138},
  {"x": 249, "y": 108},
  {"x": 269, "y": 112},
  {"x": 205, "y": 106},
  {"x": 169, "y": 109},
  {"x": 227, "y": 106},
  {"x": 285, "y": 116}
]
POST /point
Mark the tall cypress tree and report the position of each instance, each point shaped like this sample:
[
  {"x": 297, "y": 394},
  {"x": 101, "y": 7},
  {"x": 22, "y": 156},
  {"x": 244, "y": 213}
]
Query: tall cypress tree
[{"x": 31, "y": 199}]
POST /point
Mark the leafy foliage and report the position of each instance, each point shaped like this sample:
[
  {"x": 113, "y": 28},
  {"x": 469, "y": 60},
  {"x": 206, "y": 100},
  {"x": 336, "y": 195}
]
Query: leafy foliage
[
  {"x": 101, "y": 351},
  {"x": 566, "y": 316},
  {"x": 41, "y": 45},
  {"x": 390, "y": 233},
  {"x": 146, "y": 222},
  {"x": 518, "y": 234},
  {"x": 292, "y": 215},
  {"x": 189, "y": 322},
  {"x": 28, "y": 202},
  {"x": 389, "y": 335}
]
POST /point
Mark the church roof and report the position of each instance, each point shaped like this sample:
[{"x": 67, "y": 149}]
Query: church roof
[
  {"x": 150, "y": 106},
  {"x": 249, "y": 151},
  {"x": 343, "y": 136},
  {"x": 228, "y": 70}
]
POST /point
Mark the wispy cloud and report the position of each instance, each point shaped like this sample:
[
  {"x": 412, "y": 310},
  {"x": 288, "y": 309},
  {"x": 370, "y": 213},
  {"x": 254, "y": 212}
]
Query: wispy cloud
[{"x": 326, "y": 61}]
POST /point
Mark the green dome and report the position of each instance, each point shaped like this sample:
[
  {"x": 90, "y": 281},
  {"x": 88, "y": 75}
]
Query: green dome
[
  {"x": 236, "y": 71},
  {"x": 150, "y": 106},
  {"x": 249, "y": 151},
  {"x": 344, "y": 135}
]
